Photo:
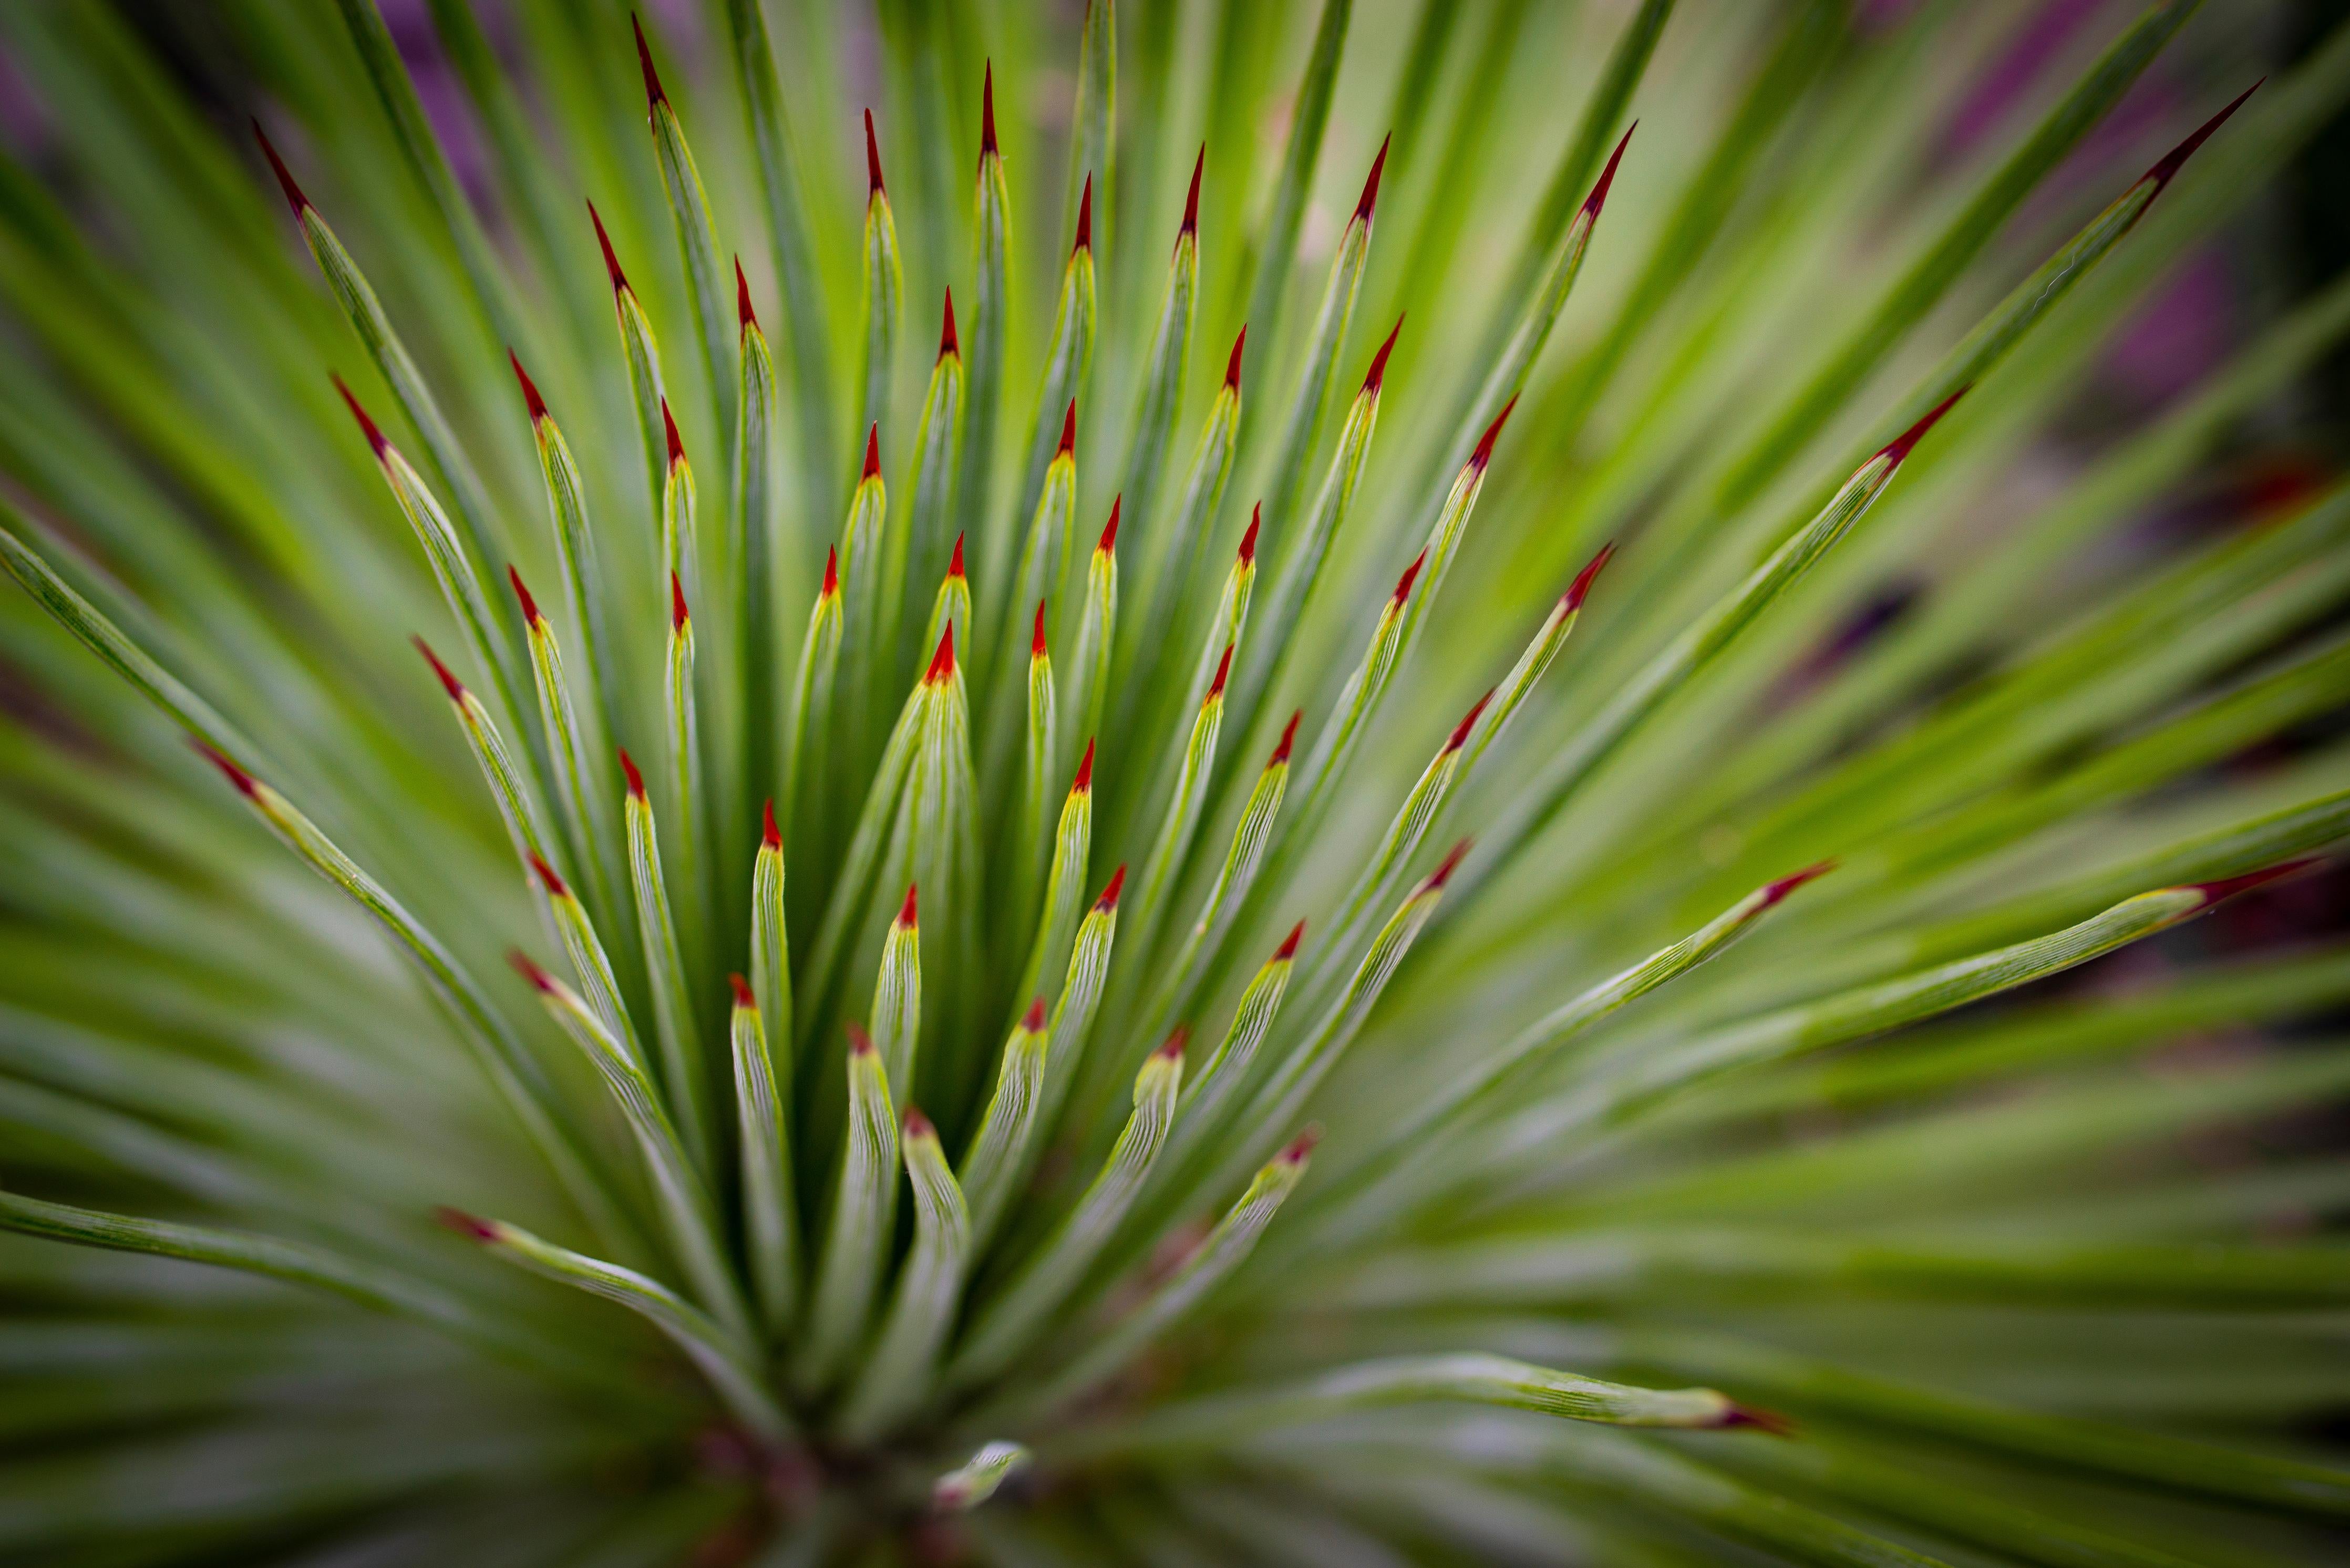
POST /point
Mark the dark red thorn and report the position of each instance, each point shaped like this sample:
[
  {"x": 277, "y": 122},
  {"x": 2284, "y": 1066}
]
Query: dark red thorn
[
  {"x": 529, "y": 605},
  {"x": 1379, "y": 371},
  {"x": 1301, "y": 1147},
  {"x": 873, "y": 186},
  {"x": 860, "y": 1043},
  {"x": 1774, "y": 891},
  {"x": 1223, "y": 671},
  {"x": 1108, "y": 899},
  {"x": 449, "y": 682},
  {"x": 2229, "y": 886},
  {"x": 1233, "y": 365},
  {"x": 1032, "y": 1021},
  {"x": 548, "y": 876},
  {"x": 954, "y": 562},
  {"x": 654, "y": 97},
  {"x": 1403, "y": 584},
  {"x": 1598, "y": 197},
  {"x": 743, "y": 997},
  {"x": 770, "y": 835},
  {"x": 540, "y": 981},
  {"x": 677, "y": 611},
  {"x": 1460, "y": 736},
  {"x": 1069, "y": 433},
  {"x": 1191, "y": 202},
  {"x": 918, "y": 1125},
  {"x": 872, "y": 469},
  {"x": 530, "y": 398},
  {"x": 948, "y": 342},
  {"x": 1577, "y": 589},
  {"x": 612, "y": 262},
  {"x": 987, "y": 148},
  {"x": 1769, "y": 1421},
  {"x": 1109, "y": 530},
  {"x": 1899, "y": 447},
  {"x": 1084, "y": 240},
  {"x": 831, "y": 572},
  {"x": 465, "y": 1224},
  {"x": 1451, "y": 863},
  {"x": 1173, "y": 1048},
  {"x": 1483, "y": 455},
  {"x": 906, "y": 912},
  {"x": 243, "y": 781},
  {"x": 2175, "y": 159},
  {"x": 294, "y": 197},
  {"x": 942, "y": 662},
  {"x": 628, "y": 771},
  {"x": 1369, "y": 204},
  {"x": 1248, "y": 540},
  {"x": 745, "y": 317},
  {"x": 669, "y": 429},
  {"x": 1288, "y": 948},
  {"x": 1288, "y": 738},
  {"x": 1084, "y": 783},
  {"x": 376, "y": 443},
  {"x": 1037, "y": 647}
]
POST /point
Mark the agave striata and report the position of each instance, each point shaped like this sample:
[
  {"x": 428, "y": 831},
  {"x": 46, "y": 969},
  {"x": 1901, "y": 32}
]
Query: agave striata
[{"x": 1102, "y": 968}]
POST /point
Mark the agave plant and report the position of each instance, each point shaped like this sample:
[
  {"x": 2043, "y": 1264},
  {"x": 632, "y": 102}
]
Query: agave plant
[{"x": 1103, "y": 969}]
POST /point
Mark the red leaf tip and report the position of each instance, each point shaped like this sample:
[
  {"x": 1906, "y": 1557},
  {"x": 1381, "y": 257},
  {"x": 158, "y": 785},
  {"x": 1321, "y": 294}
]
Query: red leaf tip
[
  {"x": 1084, "y": 240},
  {"x": 628, "y": 771},
  {"x": 1769, "y": 1421},
  {"x": 831, "y": 588},
  {"x": 236, "y": 775},
  {"x": 1032, "y": 1021},
  {"x": 678, "y": 615},
  {"x": 465, "y": 1224},
  {"x": 1598, "y": 197},
  {"x": 1109, "y": 530},
  {"x": 1191, "y": 202},
  {"x": 873, "y": 186},
  {"x": 948, "y": 342},
  {"x": 1233, "y": 365},
  {"x": 1288, "y": 948},
  {"x": 1581, "y": 588},
  {"x": 770, "y": 835},
  {"x": 987, "y": 147},
  {"x": 1483, "y": 455},
  {"x": 1248, "y": 540},
  {"x": 531, "y": 400},
  {"x": 908, "y": 916},
  {"x": 529, "y": 606},
  {"x": 872, "y": 469},
  {"x": 668, "y": 430},
  {"x": 376, "y": 443},
  {"x": 612, "y": 262},
  {"x": 1379, "y": 371},
  {"x": 1451, "y": 863},
  {"x": 654, "y": 97},
  {"x": 743, "y": 996},
  {"x": 1037, "y": 646},
  {"x": 1301, "y": 1147},
  {"x": 1460, "y": 736},
  {"x": 954, "y": 562},
  {"x": 2229, "y": 886},
  {"x": 860, "y": 1043},
  {"x": 942, "y": 662},
  {"x": 548, "y": 876},
  {"x": 1288, "y": 738},
  {"x": 1900, "y": 446},
  {"x": 448, "y": 683},
  {"x": 2169, "y": 164},
  {"x": 1410, "y": 574},
  {"x": 526, "y": 967},
  {"x": 1068, "y": 446},
  {"x": 1774, "y": 891},
  {"x": 1223, "y": 671},
  {"x": 1172, "y": 1048},
  {"x": 1108, "y": 899},
  {"x": 1370, "y": 198},
  {"x": 918, "y": 1125},
  {"x": 745, "y": 317},
  {"x": 294, "y": 197},
  {"x": 1084, "y": 783}
]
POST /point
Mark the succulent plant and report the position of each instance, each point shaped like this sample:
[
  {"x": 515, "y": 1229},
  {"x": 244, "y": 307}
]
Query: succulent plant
[{"x": 1103, "y": 968}]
